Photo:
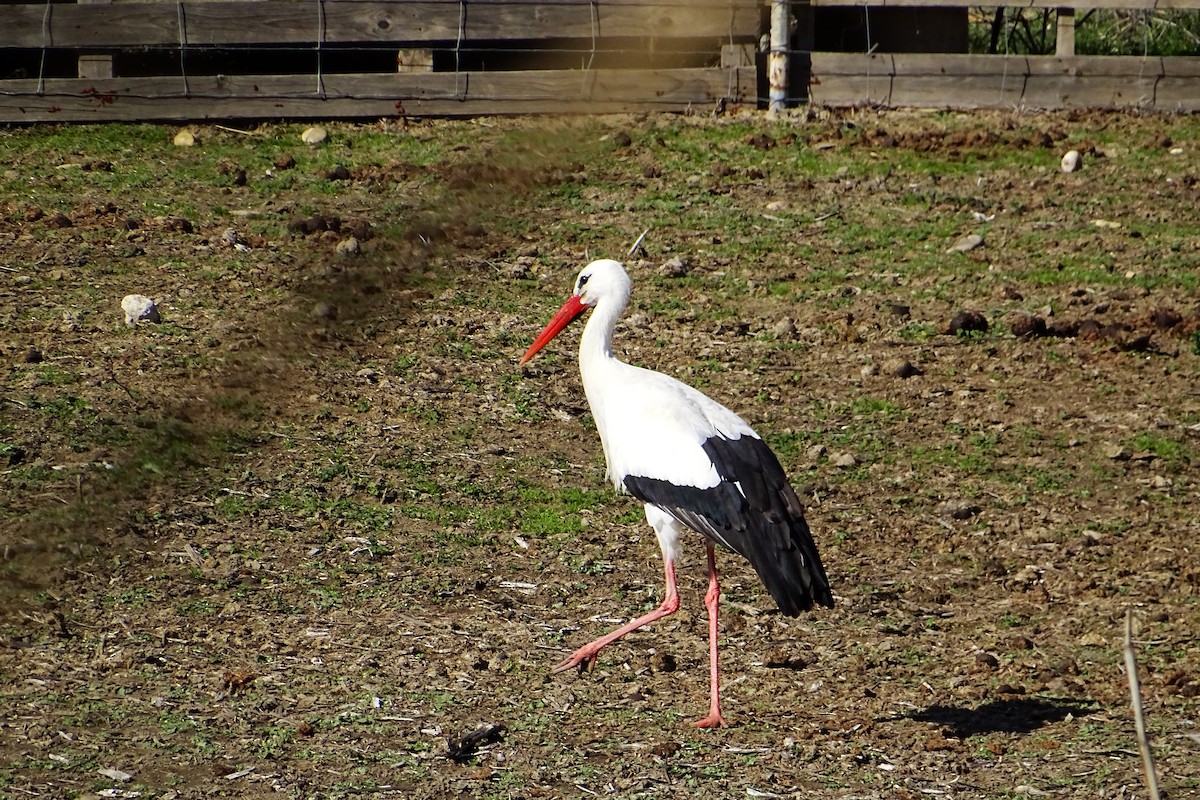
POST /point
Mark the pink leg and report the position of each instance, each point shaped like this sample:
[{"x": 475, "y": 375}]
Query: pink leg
[
  {"x": 585, "y": 657},
  {"x": 711, "y": 599}
]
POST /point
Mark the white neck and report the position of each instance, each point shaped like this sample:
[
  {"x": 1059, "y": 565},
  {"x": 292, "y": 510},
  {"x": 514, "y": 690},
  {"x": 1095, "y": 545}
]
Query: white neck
[
  {"x": 595, "y": 346},
  {"x": 601, "y": 370}
]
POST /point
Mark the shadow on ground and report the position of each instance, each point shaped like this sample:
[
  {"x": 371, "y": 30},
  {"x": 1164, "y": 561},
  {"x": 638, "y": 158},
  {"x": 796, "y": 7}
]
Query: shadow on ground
[{"x": 1014, "y": 715}]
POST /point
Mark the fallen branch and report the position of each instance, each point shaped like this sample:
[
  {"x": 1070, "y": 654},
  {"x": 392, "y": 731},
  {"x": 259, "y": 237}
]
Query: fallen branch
[{"x": 1139, "y": 717}]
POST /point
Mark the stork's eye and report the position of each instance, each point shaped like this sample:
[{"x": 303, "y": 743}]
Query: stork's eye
[{"x": 583, "y": 279}]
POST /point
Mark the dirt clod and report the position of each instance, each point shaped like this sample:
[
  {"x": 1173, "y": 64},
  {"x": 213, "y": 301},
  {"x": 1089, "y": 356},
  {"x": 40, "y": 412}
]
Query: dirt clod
[
  {"x": 1028, "y": 325},
  {"x": 967, "y": 322}
]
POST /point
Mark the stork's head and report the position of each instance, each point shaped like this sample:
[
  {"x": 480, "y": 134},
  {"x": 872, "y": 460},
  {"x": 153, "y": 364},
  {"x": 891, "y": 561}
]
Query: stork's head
[{"x": 602, "y": 281}]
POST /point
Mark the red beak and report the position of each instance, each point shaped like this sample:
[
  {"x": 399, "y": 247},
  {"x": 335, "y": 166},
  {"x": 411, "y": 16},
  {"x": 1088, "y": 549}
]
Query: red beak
[{"x": 569, "y": 311}]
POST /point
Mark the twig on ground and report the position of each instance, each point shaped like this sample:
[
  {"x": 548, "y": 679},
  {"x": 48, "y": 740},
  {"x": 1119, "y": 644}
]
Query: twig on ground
[{"x": 1139, "y": 717}]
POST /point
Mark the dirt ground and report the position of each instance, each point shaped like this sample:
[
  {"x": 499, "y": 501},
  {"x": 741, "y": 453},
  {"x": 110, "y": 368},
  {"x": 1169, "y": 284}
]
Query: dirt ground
[{"x": 308, "y": 533}]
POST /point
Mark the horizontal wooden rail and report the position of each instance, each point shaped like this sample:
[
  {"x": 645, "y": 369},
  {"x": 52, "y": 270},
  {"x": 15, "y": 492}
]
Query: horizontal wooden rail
[
  {"x": 374, "y": 95},
  {"x": 281, "y": 22},
  {"x": 1084, "y": 5},
  {"x": 976, "y": 81}
]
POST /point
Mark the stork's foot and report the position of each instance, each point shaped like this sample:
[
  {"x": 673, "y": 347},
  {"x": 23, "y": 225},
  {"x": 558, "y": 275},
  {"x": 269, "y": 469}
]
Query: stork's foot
[
  {"x": 583, "y": 659},
  {"x": 713, "y": 720}
]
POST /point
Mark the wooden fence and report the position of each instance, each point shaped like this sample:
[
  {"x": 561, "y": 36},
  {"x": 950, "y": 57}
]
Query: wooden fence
[
  {"x": 203, "y": 59},
  {"x": 99, "y": 60},
  {"x": 875, "y": 76}
]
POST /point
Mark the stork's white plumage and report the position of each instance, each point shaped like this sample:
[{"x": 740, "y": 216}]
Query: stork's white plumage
[{"x": 694, "y": 463}]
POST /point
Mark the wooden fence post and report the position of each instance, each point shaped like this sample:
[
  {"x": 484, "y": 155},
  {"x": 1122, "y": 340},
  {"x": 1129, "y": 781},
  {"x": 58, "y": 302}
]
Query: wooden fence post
[
  {"x": 95, "y": 67},
  {"x": 1065, "y": 43},
  {"x": 777, "y": 58}
]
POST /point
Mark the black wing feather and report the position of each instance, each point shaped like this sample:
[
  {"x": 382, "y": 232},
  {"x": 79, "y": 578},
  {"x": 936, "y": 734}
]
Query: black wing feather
[{"x": 763, "y": 520}]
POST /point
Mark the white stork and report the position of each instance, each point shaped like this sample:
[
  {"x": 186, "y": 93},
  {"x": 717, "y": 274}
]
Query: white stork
[{"x": 694, "y": 463}]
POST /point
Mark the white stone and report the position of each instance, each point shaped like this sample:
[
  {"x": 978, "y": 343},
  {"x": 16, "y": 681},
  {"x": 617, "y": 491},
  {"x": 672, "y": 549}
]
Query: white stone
[
  {"x": 348, "y": 247},
  {"x": 314, "y": 135},
  {"x": 139, "y": 308},
  {"x": 966, "y": 243},
  {"x": 1071, "y": 161}
]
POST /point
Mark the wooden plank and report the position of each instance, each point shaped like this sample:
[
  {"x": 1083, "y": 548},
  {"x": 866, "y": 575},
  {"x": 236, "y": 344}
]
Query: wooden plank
[
  {"x": 962, "y": 81},
  {"x": 1084, "y": 5},
  {"x": 375, "y": 95},
  {"x": 1092, "y": 82},
  {"x": 251, "y": 22},
  {"x": 851, "y": 79}
]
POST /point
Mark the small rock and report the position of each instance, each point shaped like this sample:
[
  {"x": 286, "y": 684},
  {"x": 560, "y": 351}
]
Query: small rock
[
  {"x": 958, "y": 509},
  {"x": 782, "y": 658},
  {"x": 1116, "y": 452},
  {"x": 900, "y": 368},
  {"x": 967, "y": 243},
  {"x": 285, "y": 161},
  {"x": 231, "y": 238},
  {"x": 239, "y": 177},
  {"x": 869, "y": 370},
  {"x": 1068, "y": 328},
  {"x": 622, "y": 139},
  {"x": 314, "y": 135},
  {"x": 338, "y": 173},
  {"x": 59, "y": 220},
  {"x": 784, "y": 329},
  {"x": 1071, "y": 161},
  {"x": 816, "y": 452},
  {"x": 987, "y": 660},
  {"x": 324, "y": 310},
  {"x": 348, "y": 247},
  {"x": 116, "y": 774},
  {"x": 139, "y": 308},
  {"x": 966, "y": 322},
  {"x": 845, "y": 461},
  {"x": 517, "y": 271},
  {"x": 899, "y": 310},
  {"x": 777, "y": 205},
  {"x": 33, "y": 356},
  {"x": 676, "y": 267},
  {"x": 1028, "y": 325},
  {"x": 184, "y": 138}
]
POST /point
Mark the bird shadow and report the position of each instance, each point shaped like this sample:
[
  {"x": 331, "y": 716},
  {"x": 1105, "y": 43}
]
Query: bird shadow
[{"x": 1009, "y": 715}]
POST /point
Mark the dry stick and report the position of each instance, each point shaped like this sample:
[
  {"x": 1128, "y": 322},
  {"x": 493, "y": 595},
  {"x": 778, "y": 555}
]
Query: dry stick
[{"x": 1139, "y": 717}]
